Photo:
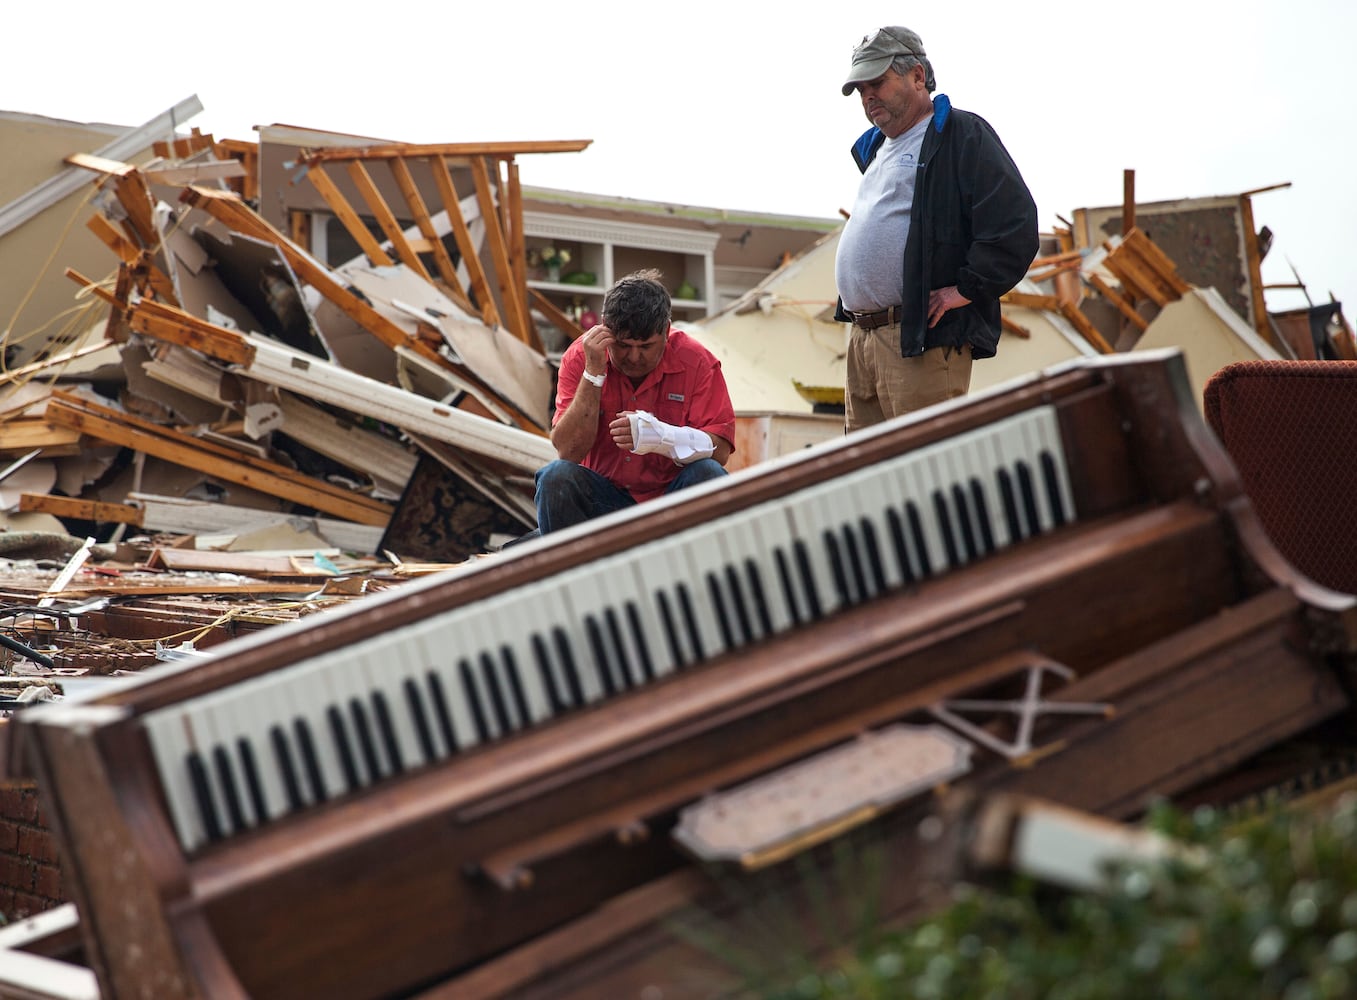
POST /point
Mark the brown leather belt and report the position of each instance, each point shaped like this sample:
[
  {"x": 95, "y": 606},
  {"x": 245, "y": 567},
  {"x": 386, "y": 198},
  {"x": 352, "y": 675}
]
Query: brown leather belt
[{"x": 870, "y": 321}]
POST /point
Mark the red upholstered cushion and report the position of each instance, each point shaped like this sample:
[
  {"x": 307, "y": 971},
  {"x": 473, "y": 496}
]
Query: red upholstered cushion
[{"x": 1289, "y": 426}]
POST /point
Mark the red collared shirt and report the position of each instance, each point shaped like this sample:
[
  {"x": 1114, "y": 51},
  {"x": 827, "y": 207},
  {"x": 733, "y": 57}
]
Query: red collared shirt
[{"x": 685, "y": 389}]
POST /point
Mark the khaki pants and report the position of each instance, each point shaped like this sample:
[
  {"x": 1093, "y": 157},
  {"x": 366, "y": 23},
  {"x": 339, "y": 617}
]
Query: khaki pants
[{"x": 880, "y": 384}]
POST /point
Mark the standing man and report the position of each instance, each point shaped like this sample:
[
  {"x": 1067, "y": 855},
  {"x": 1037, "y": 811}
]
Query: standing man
[
  {"x": 642, "y": 410},
  {"x": 943, "y": 225}
]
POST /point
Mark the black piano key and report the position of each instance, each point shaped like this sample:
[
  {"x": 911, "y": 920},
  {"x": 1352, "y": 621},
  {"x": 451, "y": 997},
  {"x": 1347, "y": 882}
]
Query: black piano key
[
  {"x": 1027, "y": 495},
  {"x": 1051, "y": 477},
  {"x": 1012, "y": 513},
  {"x": 479, "y": 713},
  {"x": 249, "y": 769},
  {"x": 943, "y": 517},
  {"x": 740, "y": 603},
  {"x": 202, "y": 794},
  {"x": 788, "y": 584},
  {"x": 916, "y": 532},
  {"x": 439, "y": 697},
  {"x": 499, "y": 702},
  {"x": 690, "y": 623},
  {"x": 669, "y": 619},
  {"x": 638, "y": 635},
  {"x": 982, "y": 517},
  {"x": 517, "y": 694},
  {"x": 806, "y": 575},
  {"x": 306, "y": 749},
  {"x": 628, "y": 675},
  {"x": 598, "y": 645},
  {"x": 367, "y": 745},
  {"x": 853, "y": 548},
  {"x": 874, "y": 571},
  {"x": 386, "y": 729},
  {"x": 969, "y": 543},
  {"x": 758, "y": 598},
  {"x": 565, "y": 653},
  {"x": 556, "y": 695},
  {"x": 230, "y": 792},
  {"x": 900, "y": 546},
  {"x": 344, "y": 749},
  {"x": 414, "y": 699},
  {"x": 838, "y": 565},
  {"x": 287, "y": 767},
  {"x": 724, "y": 614}
]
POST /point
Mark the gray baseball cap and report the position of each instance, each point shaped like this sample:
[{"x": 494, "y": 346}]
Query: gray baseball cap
[{"x": 874, "y": 55}]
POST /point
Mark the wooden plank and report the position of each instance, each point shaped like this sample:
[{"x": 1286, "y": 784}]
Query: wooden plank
[
  {"x": 214, "y": 460},
  {"x": 1253, "y": 262},
  {"x": 1027, "y": 300},
  {"x": 516, "y": 321},
  {"x": 385, "y": 218},
  {"x": 554, "y": 315},
  {"x": 174, "y": 326},
  {"x": 84, "y": 510},
  {"x": 1085, "y": 327},
  {"x": 109, "y": 235},
  {"x": 513, "y": 202},
  {"x": 466, "y": 247},
  {"x": 1011, "y": 327},
  {"x": 346, "y": 214},
  {"x": 1158, "y": 262},
  {"x": 400, "y": 170},
  {"x": 1138, "y": 280},
  {"x": 23, "y": 434},
  {"x": 471, "y": 150},
  {"x": 1123, "y": 306},
  {"x": 191, "y": 173},
  {"x": 1128, "y": 201}
]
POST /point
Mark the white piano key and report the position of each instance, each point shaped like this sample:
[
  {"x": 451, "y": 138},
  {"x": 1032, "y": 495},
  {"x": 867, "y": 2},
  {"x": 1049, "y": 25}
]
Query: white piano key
[{"x": 170, "y": 747}]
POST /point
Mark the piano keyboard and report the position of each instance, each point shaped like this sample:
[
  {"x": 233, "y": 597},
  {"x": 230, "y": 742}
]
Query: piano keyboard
[{"x": 326, "y": 728}]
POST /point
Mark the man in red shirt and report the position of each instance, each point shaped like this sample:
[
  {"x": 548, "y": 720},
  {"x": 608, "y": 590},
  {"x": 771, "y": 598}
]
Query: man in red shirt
[{"x": 642, "y": 410}]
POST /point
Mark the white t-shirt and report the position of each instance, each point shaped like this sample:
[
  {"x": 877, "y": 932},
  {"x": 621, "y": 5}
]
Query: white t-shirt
[{"x": 869, "y": 264}]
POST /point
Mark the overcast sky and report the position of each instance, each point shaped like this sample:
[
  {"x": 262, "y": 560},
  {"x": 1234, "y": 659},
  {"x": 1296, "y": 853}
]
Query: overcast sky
[{"x": 728, "y": 105}]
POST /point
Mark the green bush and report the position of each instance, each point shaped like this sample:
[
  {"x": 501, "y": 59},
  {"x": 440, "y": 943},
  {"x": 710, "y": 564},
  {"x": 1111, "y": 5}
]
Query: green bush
[{"x": 1267, "y": 909}]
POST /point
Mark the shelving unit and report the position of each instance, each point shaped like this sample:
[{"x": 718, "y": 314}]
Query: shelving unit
[{"x": 610, "y": 250}]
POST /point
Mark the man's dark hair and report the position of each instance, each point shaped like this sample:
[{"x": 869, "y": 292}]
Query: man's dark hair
[{"x": 637, "y": 307}]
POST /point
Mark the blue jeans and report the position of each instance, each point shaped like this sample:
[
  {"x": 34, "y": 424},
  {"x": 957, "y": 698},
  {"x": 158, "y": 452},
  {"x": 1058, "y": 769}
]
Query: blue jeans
[{"x": 568, "y": 493}]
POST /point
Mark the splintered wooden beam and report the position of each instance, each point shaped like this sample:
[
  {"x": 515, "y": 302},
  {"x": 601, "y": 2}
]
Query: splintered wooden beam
[
  {"x": 1124, "y": 307},
  {"x": 346, "y": 214},
  {"x": 175, "y": 326},
  {"x": 1085, "y": 327},
  {"x": 109, "y": 425},
  {"x": 1027, "y": 300},
  {"x": 83, "y": 510},
  {"x": 471, "y": 150},
  {"x": 1011, "y": 327},
  {"x": 466, "y": 246},
  {"x": 518, "y": 250},
  {"x": 382, "y": 213},
  {"x": 228, "y": 209},
  {"x": 516, "y": 318},
  {"x": 400, "y": 170},
  {"x": 1069, "y": 310},
  {"x": 231, "y": 212},
  {"x": 1254, "y": 262},
  {"x": 554, "y": 315}
]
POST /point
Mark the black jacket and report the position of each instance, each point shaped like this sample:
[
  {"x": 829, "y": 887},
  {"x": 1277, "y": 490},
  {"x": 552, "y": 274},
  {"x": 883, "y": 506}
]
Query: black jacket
[{"x": 973, "y": 224}]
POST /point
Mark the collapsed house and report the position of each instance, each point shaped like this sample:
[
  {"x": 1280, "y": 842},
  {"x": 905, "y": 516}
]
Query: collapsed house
[{"x": 302, "y": 371}]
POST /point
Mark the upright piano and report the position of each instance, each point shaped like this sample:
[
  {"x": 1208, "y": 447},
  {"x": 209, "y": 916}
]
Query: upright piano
[{"x": 382, "y": 800}]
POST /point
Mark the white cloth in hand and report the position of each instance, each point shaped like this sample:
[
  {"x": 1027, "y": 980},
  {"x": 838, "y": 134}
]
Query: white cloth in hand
[{"x": 683, "y": 445}]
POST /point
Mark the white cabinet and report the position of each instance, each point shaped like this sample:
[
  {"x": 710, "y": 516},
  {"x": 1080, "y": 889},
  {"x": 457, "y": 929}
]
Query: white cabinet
[{"x": 602, "y": 251}]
